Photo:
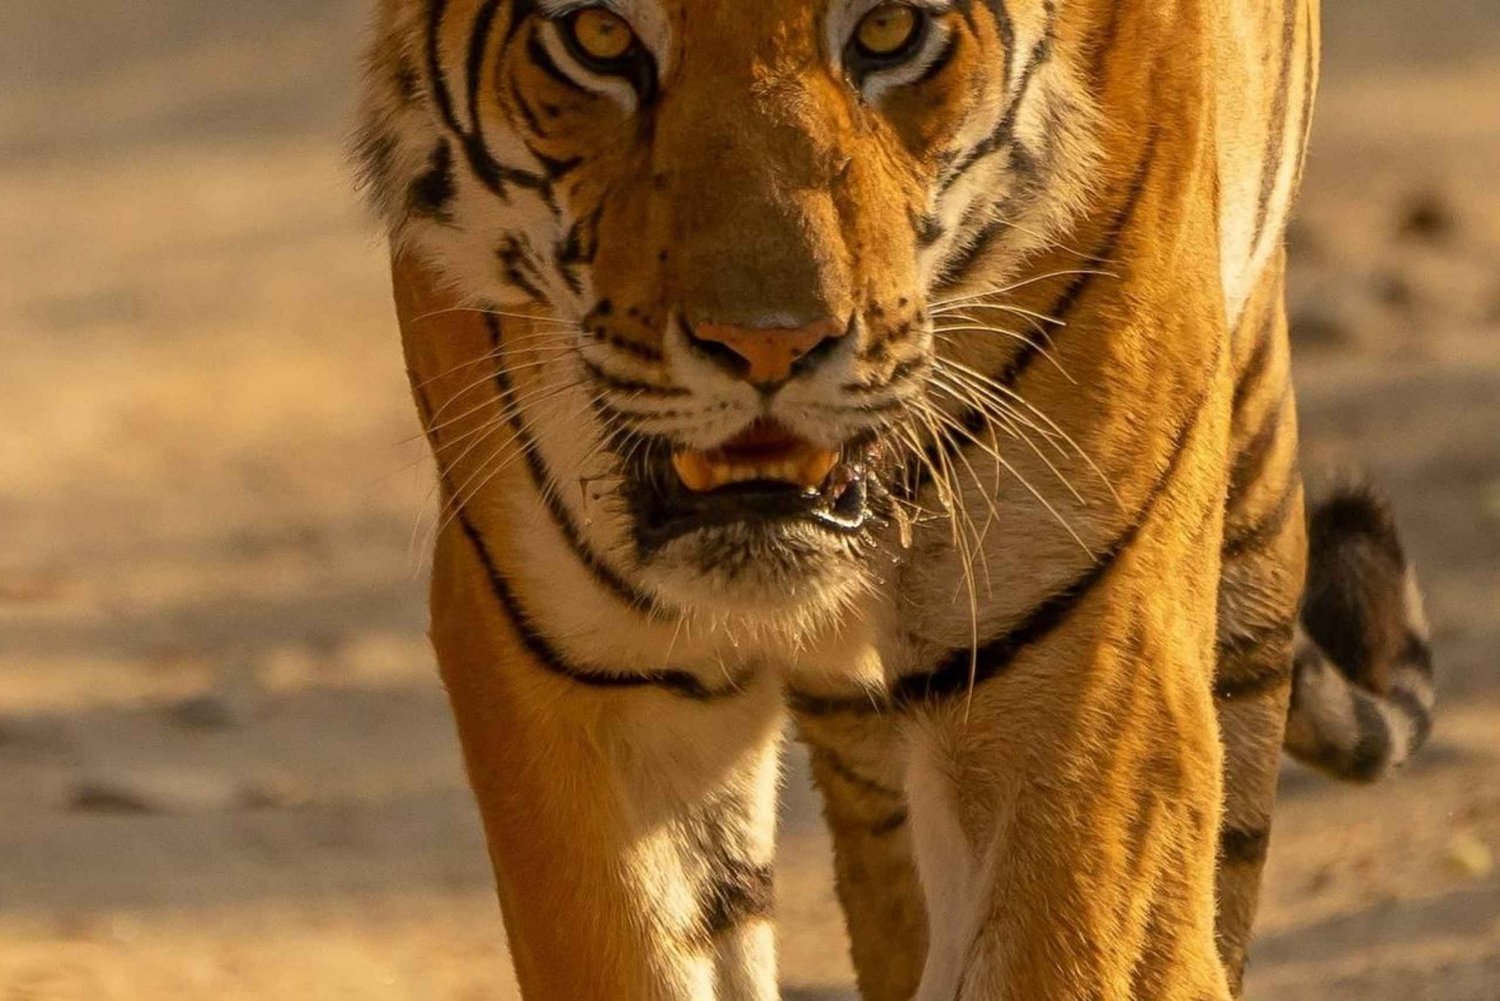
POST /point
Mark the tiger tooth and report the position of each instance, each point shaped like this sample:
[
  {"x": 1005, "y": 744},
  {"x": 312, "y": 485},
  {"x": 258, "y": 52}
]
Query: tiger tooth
[
  {"x": 695, "y": 471},
  {"x": 701, "y": 472},
  {"x": 815, "y": 467}
]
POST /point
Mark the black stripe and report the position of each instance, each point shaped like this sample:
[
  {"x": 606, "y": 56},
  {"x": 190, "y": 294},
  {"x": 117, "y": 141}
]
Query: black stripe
[
  {"x": 839, "y": 767},
  {"x": 812, "y": 704},
  {"x": 560, "y": 251},
  {"x": 1079, "y": 285},
  {"x": 1250, "y": 463},
  {"x": 641, "y": 352},
  {"x": 1007, "y": 28},
  {"x": 528, "y": 114},
  {"x": 479, "y": 37},
  {"x": 672, "y": 682},
  {"x": 1417, "y": 653},
  {"x": 928, "y": 229},
  {"x": 375, "y": 155},
  {"x": 1003, "y": 25},
  {"x": 554, "y": 168},
  {"x": 1267, "y": 528},
  {"x": 1372, "y": 750},
  {"x": 517, "y": 268},
  {"x": 973, "y": 419},
  {"x": 407, "y": 81},
  {"x": 1241, "y": 644},
  {"x": 1244, "y": 847},
  {"x": 491, "y": 173},
  {"x": 963, "y": 669},
  {"x": 890, "y": 824},
  {"x": 738, "y": 891},
  {"x": 1253, "y": 663},
  {"x": 484, "y": 25},
  {"x": 436, "y": 11},
  {"x": 546, "y": 488},
  {"x": 431, "y": 192},
  {"x": 957, "y": 267},
  {"x": 1273, "y": 674},
  {"x": 1041, "y": 52},
  {"x": 1255, "y": 365},
  {"x": 622, "y": 385},
  {"x": 580, "y": 245},
  {"x": 941, "y": 61},
  {"x": 544, "y": 61}
]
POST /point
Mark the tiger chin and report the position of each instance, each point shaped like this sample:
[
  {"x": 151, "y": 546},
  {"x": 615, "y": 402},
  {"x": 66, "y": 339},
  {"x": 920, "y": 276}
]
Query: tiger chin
[{"x": 911, "y": 375}]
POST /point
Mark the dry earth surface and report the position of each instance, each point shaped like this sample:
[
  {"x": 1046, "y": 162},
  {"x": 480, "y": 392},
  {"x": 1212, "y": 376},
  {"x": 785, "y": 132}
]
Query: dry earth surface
[{"x": 225, "y": 765}]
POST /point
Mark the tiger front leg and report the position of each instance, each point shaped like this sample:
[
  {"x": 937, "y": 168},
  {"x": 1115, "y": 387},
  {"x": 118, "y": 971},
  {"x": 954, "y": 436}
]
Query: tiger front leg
[
  {"x": 1065, "y": 817},
  {"x": 631, "y": 831},
  {"x": 859, "y": 766}
]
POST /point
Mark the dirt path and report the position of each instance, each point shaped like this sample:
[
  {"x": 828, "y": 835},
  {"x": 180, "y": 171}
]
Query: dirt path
[{"x": 226, "y": 769}]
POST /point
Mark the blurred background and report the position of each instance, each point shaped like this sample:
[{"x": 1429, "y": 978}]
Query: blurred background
[{"x": 226, "y": 767}]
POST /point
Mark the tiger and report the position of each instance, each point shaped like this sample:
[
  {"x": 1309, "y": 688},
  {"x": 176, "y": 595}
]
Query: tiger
[{"x": 911, "y": 378}]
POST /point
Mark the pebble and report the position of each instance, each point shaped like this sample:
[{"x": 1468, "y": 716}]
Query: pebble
[
  {"x": 1427, "y": 215},
  {"x": 273, "y": 793},
  {"x": 1470, "y": 855},
  {"x": 157, "y": 791},
  {"x": 1340, "y": 311},
  {"x": 41, "y": 736},
  {"x": 1321, "y": 323},
  {"x": 230, "y": 706},
  {"x": 1393, "y": 289}
]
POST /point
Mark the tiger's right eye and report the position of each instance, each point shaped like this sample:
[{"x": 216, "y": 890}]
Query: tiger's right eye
[
  {"x": 889, "y": 32},
  {"x": 601, "y": 35}
]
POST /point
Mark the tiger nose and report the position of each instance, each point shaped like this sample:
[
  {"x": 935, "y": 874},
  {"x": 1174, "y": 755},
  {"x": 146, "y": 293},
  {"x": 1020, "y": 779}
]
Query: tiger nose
[{"x": 766, "y": 356}]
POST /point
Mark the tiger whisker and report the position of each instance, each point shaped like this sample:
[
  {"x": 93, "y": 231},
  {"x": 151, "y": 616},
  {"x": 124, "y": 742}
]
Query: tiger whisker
[
  {"x": 1040, "y": 454},
  {"x": 1019, "y": 477},
  {"x": 464, "y": 494},
  {"x": 506, "y": 413},
  {"x": 1043, "y": 349},
  {"x": 485, "y": 432},
  {"x": 433, "y": 429},
  {"x": 966, "y": 556},
  {"x": 489, "y": 377},
  {"x": 968, "y": 383},
  {"x": 997, "y": 404},
  {"x": 1015, "y": 286},
  {"x": 484, "y": 311},
  {"x": 565, "y": 341}
]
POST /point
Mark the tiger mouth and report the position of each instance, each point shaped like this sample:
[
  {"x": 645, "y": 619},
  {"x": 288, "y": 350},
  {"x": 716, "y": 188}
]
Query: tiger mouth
[
  {"x": 763, "y": 453},
  {"x": 763, "y": 476}
]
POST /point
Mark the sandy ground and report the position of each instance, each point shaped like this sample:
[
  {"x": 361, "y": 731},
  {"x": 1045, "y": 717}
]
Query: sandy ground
[{"x": 225, "y": 765}]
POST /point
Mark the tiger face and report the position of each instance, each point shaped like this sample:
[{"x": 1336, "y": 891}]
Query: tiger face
[{"x": 731, "y": 220}]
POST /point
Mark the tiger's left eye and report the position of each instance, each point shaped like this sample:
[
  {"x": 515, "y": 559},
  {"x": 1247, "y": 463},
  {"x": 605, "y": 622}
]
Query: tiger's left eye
[
  {"x": 601, "y": 34},
  {"x": 889, "y": 32}
]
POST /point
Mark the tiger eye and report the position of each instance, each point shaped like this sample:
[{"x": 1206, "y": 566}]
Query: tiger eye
[
  {"x": 601, "y": 34},
  {"x": 887, "y": 30}
]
